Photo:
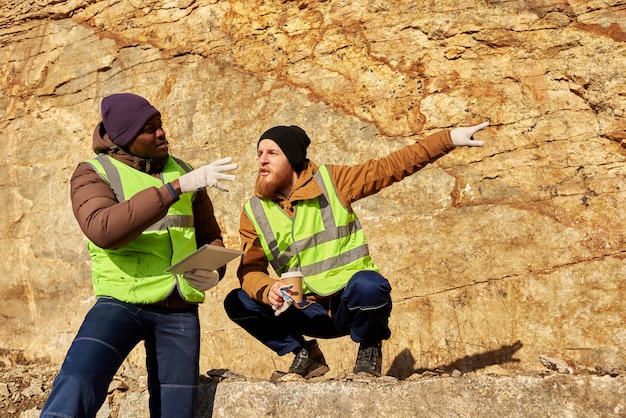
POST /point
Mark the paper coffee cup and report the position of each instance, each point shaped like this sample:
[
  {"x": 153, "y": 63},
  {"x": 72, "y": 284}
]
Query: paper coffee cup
[{"x": 294, "y": 278}]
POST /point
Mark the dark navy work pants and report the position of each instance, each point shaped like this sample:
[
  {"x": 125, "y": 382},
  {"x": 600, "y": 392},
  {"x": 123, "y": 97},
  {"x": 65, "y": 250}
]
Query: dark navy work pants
[
  {"x": 110, "y": 330},
  {"x": 362, "y": 311}
]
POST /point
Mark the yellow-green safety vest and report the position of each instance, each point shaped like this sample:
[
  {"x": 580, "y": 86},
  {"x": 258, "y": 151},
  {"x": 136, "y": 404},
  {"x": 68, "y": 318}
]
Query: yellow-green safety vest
[
  {"x": 135, "y": 273},
  {"x": 323, "y": 240}
]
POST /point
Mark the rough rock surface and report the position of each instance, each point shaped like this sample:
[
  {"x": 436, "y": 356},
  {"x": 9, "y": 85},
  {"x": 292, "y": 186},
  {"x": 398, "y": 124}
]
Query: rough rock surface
[
  {"x": 497, "y": 256},
  {"x": 491, "y": 393}
]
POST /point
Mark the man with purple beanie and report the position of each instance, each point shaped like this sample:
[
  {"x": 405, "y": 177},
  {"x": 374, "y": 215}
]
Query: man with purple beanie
[
  {"x": 300, "y": 221},
  {"x": 142, "y": 210}
]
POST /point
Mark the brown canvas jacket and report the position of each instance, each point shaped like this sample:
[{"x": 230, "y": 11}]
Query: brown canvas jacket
[{"x": 351, "y": 184}]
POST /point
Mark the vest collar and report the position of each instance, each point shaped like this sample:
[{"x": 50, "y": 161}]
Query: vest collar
[{"x": 145, "y": 165}]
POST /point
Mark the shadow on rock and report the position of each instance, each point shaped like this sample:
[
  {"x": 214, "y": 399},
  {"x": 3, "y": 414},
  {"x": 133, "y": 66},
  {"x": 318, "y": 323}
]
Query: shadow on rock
[{"x": 403, "y": 365}]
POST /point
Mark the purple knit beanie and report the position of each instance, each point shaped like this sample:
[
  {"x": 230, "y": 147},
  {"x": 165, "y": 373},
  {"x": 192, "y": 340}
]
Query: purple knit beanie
[
  {"x": 124, "y": 115},
  {"x": 292, "y": 140}
]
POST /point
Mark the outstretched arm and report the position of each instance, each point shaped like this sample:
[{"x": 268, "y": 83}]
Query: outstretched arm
[{"x": 358, "y": 181}]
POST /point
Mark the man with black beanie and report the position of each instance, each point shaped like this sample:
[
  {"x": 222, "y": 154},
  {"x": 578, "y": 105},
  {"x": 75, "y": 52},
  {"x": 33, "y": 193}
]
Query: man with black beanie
[{"x": 301, "y": 221}]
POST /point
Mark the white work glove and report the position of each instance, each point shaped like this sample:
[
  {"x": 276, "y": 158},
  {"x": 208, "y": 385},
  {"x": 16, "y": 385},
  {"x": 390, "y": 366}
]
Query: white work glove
[
  {"x": 463, "y": 136},
  {"x": 282, "y": 308},
  {"x": 207, "y": 176},
  {"x": 202, "y": 279}
]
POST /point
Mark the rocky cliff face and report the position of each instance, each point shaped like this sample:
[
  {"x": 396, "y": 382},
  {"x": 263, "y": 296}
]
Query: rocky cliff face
[{"x": 496, "y": 255}]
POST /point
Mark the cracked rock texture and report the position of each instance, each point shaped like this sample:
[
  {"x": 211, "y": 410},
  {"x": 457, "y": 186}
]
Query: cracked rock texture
[{"x": 497, "y": 255}]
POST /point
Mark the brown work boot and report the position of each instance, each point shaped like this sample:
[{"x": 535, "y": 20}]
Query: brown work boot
[
  {"x": 309, "y": 361},
  {"x": 369, "y": 359}
]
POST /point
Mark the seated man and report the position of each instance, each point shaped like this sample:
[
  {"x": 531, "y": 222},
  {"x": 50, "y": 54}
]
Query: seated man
[{"x": 301, "y": 219}]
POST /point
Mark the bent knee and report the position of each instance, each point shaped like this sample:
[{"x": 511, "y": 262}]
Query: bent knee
[
  {"x": 234, "y": 302},
  {"x": 369, "y": 281},
  {"x": 367, "y": 290}
]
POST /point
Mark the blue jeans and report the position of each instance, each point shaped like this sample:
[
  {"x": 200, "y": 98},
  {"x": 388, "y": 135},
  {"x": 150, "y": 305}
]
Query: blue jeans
[
  {"x": 109, "y": 332},
  {"x": 362, "y": 311}
]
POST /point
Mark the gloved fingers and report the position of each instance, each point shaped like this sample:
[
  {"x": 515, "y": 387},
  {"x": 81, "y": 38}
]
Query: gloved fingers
[
  {"x": 201, "y": 274},
  {"x": 193, "y": 282},
  {"x": 220, "y": 187},
  {"x": 202, "y": 285},
  {"x": 476, "y": 128},
  {"x": 204, "y": 273},
  {"x": 229, "y": 177},
  {"x": 463, "y": 136},
  {"x": 472, "y": 131},
  {"x": 196, "y": 283},
  {"x": 474, "y": 143},
  {"x": 228, "y": 167},
  {"x": 221, "y": 161},
  {"x": 281, "y": 308},
  {"x": 220, "y": 165},
  {"x": 207, "y": 176},
  {"x": 213, "y": 170},
  {"x": 202, "y": 279},
  {"x": 189, "y": 275}
]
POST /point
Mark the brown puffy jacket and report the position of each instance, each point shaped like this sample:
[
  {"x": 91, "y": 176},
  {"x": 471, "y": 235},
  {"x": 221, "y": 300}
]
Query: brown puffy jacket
[
  {"x": 351, "y": 184},
  {"x": 111, "y": 224}
]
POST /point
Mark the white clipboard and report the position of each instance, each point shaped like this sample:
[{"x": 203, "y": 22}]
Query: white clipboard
[{"x": 208, "y": 257}]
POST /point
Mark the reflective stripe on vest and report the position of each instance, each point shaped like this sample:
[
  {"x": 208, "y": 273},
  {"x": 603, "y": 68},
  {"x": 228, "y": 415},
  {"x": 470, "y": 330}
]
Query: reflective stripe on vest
[
  {"x": 113, "y": 177},
  {"x": 135, "y": 273},
  {"x": 324, "y": 240}
]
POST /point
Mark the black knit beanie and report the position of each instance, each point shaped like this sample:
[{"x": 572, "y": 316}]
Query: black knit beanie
[{"x": 292, "y": 140}]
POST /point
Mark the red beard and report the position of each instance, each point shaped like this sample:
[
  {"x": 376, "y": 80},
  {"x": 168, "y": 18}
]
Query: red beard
[{"x": 274, "y": 185}]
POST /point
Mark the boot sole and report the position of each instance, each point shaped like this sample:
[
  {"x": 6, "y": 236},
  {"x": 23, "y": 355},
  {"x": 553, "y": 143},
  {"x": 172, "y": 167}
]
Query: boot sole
[
  {"x": 319, "y": 371},
  {"x": 371, "y": 372}
]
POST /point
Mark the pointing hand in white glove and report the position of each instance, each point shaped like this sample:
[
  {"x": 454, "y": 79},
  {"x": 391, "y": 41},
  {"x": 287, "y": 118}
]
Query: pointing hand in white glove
[
  {"x": 463, "y": 136},
  {"x": 202, "y": 279},
  {"x": 207, "y": 176}
]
